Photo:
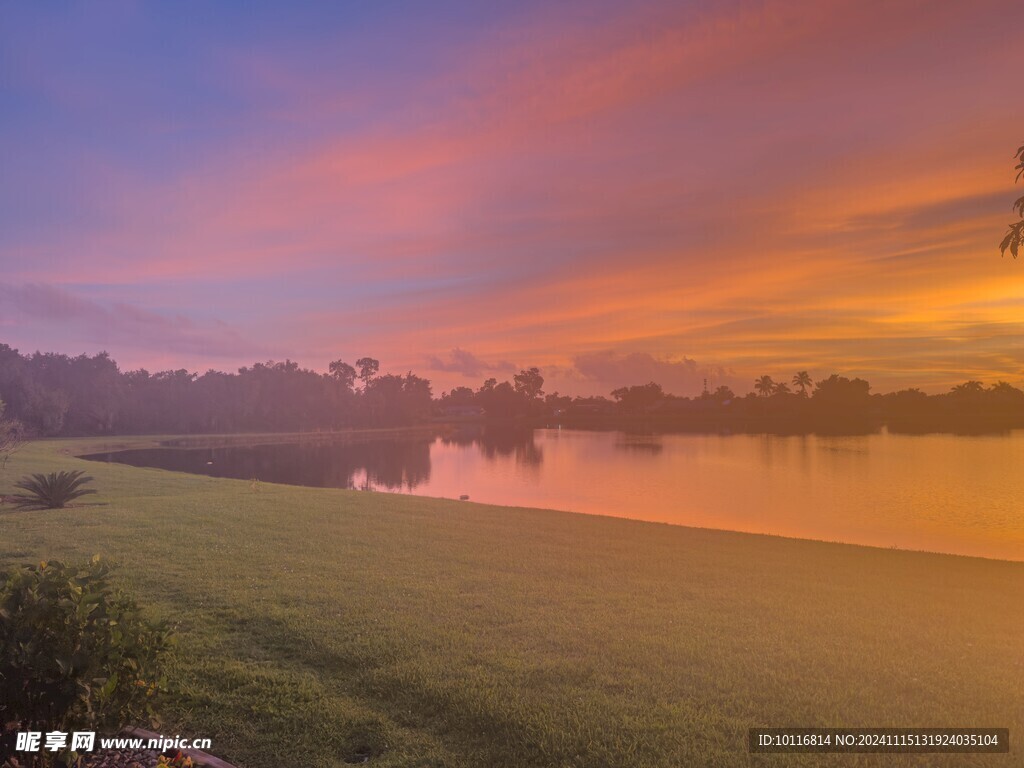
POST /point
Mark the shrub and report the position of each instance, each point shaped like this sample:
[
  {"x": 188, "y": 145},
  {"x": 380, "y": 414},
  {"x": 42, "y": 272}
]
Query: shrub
[
  {"x": 179, "y": 760},
  {"x": 13, "y": 436},
  {"x": 52, "y": 491},
  {"x": 75, "y": 654}
]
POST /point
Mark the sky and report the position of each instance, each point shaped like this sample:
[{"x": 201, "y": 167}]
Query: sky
[{"x": 613, "y": 192}]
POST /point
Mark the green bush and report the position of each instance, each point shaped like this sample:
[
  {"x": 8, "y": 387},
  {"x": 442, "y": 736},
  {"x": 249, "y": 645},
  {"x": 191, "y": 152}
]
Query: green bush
[
  {"x": 75, "y": 654},
  {"x": 52, "y": 491}
]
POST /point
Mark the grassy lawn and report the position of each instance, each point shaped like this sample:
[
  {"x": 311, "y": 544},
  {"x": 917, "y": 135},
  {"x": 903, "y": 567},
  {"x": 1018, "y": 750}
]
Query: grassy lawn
[{"x": 317, "y": 625}]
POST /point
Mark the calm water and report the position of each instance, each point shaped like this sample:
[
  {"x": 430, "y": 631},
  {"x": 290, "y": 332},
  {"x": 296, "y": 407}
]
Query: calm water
[{"x": 941, "y": 493}]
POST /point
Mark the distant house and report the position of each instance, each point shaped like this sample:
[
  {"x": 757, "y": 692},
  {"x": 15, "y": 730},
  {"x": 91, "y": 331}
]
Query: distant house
[
  {"x": 589, "y": 407},
  {"x": 461, "y": 412}
]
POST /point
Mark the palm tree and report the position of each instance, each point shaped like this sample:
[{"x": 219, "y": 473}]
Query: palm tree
[
  {"x": 802, "y": 380},
  {"x": 1005, "y": 388},
  {"x": 1004, "y": 393},
  {"x": 782, "y": 388},
  {"x": 765, "y": 386},
  {"x": 968, "y": 388}
]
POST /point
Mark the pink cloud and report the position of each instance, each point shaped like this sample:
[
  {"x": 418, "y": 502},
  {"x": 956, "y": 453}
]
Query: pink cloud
[
  {"x": 39, "y": 314},
  {"x": 680, "y": 376},
  {"x": 467, "y": 364}
]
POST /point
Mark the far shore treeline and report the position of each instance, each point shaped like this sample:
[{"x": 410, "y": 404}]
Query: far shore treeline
[{"x": 50, "y": 394}]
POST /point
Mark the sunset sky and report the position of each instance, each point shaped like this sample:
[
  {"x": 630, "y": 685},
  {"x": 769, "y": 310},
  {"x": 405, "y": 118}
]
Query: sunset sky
[{"x": 614, "y": 192}]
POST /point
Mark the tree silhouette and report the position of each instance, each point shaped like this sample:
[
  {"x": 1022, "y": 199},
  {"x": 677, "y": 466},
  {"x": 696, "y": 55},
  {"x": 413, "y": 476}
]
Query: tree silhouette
[
  {"x": 343, "y": 372},
  {"x": 368, "y": 368},
  {"x": 1005, "y": 388},
  {"x": 1015, "y": 236},
  {"x": 528, "y": 383},
  {"x": 840, "y": 393},
  {"x": 765, "y": 386},
  {"x": 1005, "y": 394},
  {"x": 968, "y": 389},
  {"x": 638, "y": 397},
  {"x": 803, "y": 381}
]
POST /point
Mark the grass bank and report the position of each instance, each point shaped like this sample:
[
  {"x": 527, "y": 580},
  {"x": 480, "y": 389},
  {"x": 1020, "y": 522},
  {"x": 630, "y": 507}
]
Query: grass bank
[{"x": 317, "y": 626}]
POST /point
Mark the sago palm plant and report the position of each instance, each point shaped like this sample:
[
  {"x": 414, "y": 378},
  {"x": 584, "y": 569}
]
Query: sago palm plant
[{"x": 52, "y": 491}]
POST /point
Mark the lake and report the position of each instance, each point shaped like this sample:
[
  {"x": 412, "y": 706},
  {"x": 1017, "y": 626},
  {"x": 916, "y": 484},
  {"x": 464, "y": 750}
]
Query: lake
[{"x": 942, "y": 493}]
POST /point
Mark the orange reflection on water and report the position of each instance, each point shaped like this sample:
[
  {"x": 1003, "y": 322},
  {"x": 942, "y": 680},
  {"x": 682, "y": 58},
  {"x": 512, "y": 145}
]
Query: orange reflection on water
[{"x": 939, "y": 493}]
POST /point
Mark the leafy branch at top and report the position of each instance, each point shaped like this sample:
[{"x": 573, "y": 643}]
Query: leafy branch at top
[{"x": 1015, "y": 236}]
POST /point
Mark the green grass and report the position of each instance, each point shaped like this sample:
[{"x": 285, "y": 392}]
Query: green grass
[{"x": 317, "y": 625}]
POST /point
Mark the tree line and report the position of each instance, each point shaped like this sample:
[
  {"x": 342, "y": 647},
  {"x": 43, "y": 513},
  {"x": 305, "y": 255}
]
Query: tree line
[
  {"x": 49, "y": 394},
  {"x": 54, "y": 394},
  {"x": 833, "y": 403}
]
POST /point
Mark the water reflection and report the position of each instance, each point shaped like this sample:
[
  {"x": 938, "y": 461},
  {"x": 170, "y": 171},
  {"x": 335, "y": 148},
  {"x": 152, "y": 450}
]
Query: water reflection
[
  {"x": 385, "y": 464},
  {"x": 935, "y": 492},
  {"x": 496, "y": 443},
  {"x": 396, "y": 464},
  {"x": 649, "y": 444}
]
